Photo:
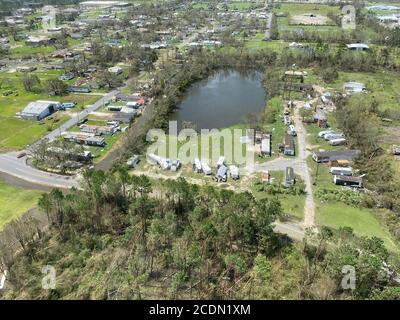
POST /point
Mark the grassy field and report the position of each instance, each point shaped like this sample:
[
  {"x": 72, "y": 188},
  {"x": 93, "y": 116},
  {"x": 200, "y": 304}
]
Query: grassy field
[
  {"x": 15, "y": 201},
  {"x": 292, "y": 205},
  {"x": 363, "y": 221},
  {"x": 285, "y": 24},
  {"x": 338, "y": 214},
  {"x": 299, "y": 8},
  {"x": 17, "y": 133},
  {"x": 383, "y": 85}
]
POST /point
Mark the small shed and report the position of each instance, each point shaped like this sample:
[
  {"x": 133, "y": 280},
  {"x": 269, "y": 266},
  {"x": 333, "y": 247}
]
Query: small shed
[{"x": 289, "y": 147}]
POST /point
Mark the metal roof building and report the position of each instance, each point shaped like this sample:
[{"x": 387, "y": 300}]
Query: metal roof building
[{"x": 39, "y": 110}]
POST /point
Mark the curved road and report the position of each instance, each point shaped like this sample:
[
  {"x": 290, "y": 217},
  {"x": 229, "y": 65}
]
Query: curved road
[{"x": 12, "y": 166}]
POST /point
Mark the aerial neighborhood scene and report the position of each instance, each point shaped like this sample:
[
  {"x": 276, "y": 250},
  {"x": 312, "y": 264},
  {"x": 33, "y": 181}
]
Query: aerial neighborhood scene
[{"x": 200, "y": 150}]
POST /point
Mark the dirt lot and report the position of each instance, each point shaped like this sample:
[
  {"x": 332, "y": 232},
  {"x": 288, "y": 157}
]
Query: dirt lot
[{"x": 306, "y": 20}]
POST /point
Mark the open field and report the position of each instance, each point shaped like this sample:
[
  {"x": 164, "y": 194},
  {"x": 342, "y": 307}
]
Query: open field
[
  {"x": 363, "y": 221},
  {"x": 382, "y": 85},
  {"x": 17, "y": 133},
  {"x": 337, "y": 214},
  {"x": 15, "y": 201},
  {"x": 292, "y": 205},
  {"x": 314, "y": 20},
  {"x": 295, "y": 19}
]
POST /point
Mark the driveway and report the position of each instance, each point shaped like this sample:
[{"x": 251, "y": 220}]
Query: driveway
[{"x": 300, "y": 167}]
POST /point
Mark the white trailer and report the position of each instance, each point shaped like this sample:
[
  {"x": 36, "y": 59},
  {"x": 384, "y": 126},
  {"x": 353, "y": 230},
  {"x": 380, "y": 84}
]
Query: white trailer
[
  {"x": 234, "y": 172},
  {"x": 197, "y": 166},
  {"x": 206, "y": 168},
  {"x": 337, "y": 142},
  {"x": 153, "y": 158},
  {"x": 164, "y": 163},
  {"x": 292, "y": 130},
  {"x": 322, "y": 134},
  {"x": 221, "y": 161},
  {"x": 333, "y": 136},
  {"x": 341, "y": 171}
]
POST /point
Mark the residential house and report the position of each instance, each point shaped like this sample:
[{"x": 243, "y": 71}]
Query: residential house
[
  {"x": 354, "y": 87},
  {"x": 320, "y": 118},
  {"x": 26, "y": 69},
  {"x": 289, "y": 146},
  {"x": 78, "y": 89},
  {"x": 327, "y": 156},
  {"x": 348, "y": 181},
  {"x": 266, "y": 145},
  {"x": 115, "y": 70}
]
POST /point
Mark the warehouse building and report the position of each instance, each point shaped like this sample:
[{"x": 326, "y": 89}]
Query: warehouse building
[{"x": 39, "y": 110}]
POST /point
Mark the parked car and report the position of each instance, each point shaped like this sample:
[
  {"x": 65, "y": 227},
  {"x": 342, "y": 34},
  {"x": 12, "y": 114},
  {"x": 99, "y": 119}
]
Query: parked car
[
  {"x": 67, "y": 105},
  {"x": 21, "y": 155},
  {"x": 133, "y": 161},
  {"x": 292, "y": 130}
]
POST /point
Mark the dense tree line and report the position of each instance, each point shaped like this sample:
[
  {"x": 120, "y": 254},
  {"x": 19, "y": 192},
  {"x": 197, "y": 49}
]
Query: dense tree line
[{"x": 125, "y": 237}]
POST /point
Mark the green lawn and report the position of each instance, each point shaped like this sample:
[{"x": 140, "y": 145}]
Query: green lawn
[
  {"x": 337, "y": 214},
  {"x": 362, "y": 221},
  {"x": 15, "y": 201},
  {"x": 383, "y": 85},
  {"x": 299, "y": 8},
  {"x": 20, "y": 49},
  {"x": 292, "y": 205},
  {"x": 17, "y": 133}
]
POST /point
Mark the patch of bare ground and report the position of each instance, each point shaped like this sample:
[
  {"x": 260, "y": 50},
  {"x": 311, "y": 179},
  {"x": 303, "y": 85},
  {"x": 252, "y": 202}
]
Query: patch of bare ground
[{"x": 391, "y": 135}]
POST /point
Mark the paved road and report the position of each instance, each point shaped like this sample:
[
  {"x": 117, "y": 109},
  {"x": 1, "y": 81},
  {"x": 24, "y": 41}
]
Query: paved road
[
  {"x": 83, "y": 114},
  {"x": 10, "y": 164},
  {"x": 292, "y": 230}
]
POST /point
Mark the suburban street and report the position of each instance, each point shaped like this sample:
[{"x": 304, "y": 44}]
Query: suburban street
[
  {"x": 10, "y": 164},
  {"x": 83, "y": 114}
]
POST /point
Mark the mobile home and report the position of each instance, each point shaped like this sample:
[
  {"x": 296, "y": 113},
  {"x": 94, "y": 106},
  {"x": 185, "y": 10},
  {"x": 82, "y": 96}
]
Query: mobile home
[
  {"x": 289, "y": 148},
  {"x": 327, "y": 156},
  {"x": 206, "y": 168},
  {"x": 266, "y": 145},
  {"x": 221, "y": 162},
  {"x": 197, "y": 166},
  {"x": 348, "y": 181},
  {"x": 337, "y": 142},
  {"x": 292, "y": 130},
  {"x": 222, "y": 174},
  {"x": 341, "y": 171},
  {"x": 234, "y": 172}
]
